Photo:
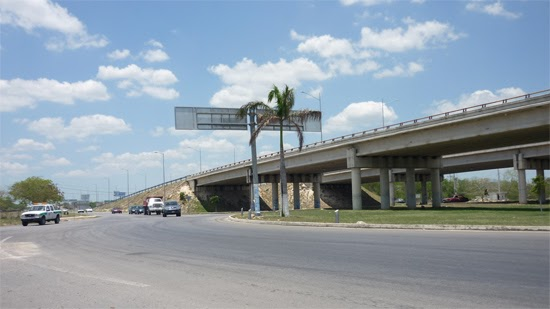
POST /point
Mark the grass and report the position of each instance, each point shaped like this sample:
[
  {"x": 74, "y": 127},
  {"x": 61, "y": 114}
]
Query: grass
[{"x": 504, "y": 215}]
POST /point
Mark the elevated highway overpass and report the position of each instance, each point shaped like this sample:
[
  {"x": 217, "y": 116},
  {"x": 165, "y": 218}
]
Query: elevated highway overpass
[{"x": 430, "y": 144}]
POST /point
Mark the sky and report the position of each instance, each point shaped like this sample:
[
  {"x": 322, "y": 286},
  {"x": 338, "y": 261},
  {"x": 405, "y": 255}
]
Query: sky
[{"x": 88, "y": 88}]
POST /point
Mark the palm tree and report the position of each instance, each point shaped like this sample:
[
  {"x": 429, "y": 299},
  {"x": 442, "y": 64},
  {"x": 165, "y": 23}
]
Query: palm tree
[{"x": 283, "y": 115}]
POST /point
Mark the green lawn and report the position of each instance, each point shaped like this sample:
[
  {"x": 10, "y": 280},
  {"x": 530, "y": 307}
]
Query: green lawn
[{"x": 510, "y": 215}]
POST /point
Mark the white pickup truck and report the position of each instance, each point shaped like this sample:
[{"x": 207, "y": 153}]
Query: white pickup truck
[{"x": 41, "y": 214}]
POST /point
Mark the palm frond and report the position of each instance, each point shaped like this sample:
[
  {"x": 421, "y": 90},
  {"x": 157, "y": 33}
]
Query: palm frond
[{"x": 254, "y": 105}]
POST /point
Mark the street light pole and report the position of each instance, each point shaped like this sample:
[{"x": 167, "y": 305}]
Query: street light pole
[
  {"x": 127, "y": 187},
  {"x": 320, "y": 109},
  {"x": 163, "y": 175},
  {"x": 200, "y": 156}
]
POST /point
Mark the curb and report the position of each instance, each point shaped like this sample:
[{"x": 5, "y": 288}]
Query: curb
[{"x": 399, "y": 226}]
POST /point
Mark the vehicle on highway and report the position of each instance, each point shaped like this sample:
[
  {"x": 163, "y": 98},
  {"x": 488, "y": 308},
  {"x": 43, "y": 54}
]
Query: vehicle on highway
[
  {"x": 116, "y": 211},
  {"x": 139, "y": 210},
  {"x": 41, "y": 214},
  {"x": 89, "y": 210},
  {"x": 153, "y": 204},
  {"x": 171, "y": 208},
  {"x": 81, "y": 211},
  {"x": 455, "y": 199}
]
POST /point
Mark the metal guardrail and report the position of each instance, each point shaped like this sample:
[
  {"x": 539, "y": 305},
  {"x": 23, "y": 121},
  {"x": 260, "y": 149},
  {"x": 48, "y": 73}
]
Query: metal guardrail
[{"x": 395, "y": 126}]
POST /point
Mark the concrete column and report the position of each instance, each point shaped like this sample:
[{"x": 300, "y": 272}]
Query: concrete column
[
  {"x": 542, "y": 194},
  {"x": 384, "y": 188},
  {"x": 436, "y": 187},
  {"x": 356, "y": 188},
  {"x": 296, "y": 193},
  {"x": 424, "y": 188},
  {"x": 275, "y": 195},
  {"x": 392, "y": 188},
  {"x": 411, "y": 188},
  {"x": 317, "y": 194},
  {"x": 522, "y": 186}
]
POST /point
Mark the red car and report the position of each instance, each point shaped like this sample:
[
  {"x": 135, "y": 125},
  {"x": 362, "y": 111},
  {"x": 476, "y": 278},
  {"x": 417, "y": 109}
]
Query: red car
[
  {"x": 116, "y": 211},
  {"x": 455, "y": 199}
]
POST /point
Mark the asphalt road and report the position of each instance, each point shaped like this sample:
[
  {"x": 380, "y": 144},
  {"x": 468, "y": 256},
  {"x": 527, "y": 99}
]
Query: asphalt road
[{"x": 131, "y": 261}]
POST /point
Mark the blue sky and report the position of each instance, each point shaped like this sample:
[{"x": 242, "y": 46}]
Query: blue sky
[{"x": 88, "y": 88}]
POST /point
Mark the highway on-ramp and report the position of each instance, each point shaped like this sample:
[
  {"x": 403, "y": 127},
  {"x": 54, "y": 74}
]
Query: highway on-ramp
[{"x": 136, "y": 261}]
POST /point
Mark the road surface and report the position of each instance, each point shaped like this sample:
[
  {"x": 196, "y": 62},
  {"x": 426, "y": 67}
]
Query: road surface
[{"x": 136, "y": 261}]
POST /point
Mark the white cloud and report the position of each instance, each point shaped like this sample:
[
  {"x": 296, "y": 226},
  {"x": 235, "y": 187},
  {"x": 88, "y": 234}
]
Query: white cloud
[
  {"x": 119, "y": 54},
  {"x": 416, "y": 36},
  {"x": 326, "y": 46},
  {"x": 161, "y": 92},
  {"x": 156, "y": 55},
  {"x": 44, "y": 14},
  {"x": 364, "y": 2},
  {"x": 79, "y": 128},
  {"x": 400, "y": 71},
  {"x": 19, "y": 93},
  {"x": 25, "y": 144},
  {"x": 360, "y": 116},
  {"x": 137, "y": 81},
  {"x": 154, "y": 43},
  {"x": 13, "y": 168},
  {"x": 134, "y": 161},
  {"x": 49, "y": 160},
  {"x": 494, "y": 9},
  {"x": 475, "y": 98},
  {"x": 248, "y": 81}
]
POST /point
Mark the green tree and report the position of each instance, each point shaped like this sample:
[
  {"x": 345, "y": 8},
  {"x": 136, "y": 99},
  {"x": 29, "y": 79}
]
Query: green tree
[
  {"x": 7, "y": 203},
  {"x": 214, "y": 201},
  {"x": 36, "y": 189},
  {"x": 282, "y": 114}
]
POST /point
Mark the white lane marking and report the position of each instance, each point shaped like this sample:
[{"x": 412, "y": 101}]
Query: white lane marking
[{"x": 5, "y": 239}]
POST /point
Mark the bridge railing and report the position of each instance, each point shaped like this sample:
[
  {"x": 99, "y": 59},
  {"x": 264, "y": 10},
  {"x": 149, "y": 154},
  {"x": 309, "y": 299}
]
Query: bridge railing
[{"x": 398, "y": 125}]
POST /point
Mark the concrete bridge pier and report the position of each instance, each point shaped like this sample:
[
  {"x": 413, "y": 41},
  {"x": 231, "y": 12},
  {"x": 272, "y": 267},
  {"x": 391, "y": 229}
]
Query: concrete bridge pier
[
  {"x": 410, "y": 186},
  {"x": 385, "y": 196},
  {"x": 296, "y": 191},
  {"x": 392, "y": 188},
  {"x": 317, "y": 194},
  {"x": 356, "y": 189},
  {"x": 385, "y": 163},
  {"x": 275, "y": 195},
  {"x": 520, "y": 165},
  {"x": 424, "y": 190},
  {"x": 435, "y": 178}
]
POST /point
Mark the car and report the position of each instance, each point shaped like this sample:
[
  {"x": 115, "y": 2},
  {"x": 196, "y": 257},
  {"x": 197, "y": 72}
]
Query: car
[
  {"x": 41, "y": 213},
  {"x": 132, "y": 210},
  {"x": 81, "y": 211},
  {"x": 89, "y": 210},
  {"x": 456, "y": 199},
  {"x": 116, "y": 211},
  {"x": 171, "y": 208}
]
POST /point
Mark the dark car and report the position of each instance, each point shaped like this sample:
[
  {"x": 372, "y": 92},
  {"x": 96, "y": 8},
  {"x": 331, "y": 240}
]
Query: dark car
[
  {"x": 455, "y": 199},
  {"x": 171, "y": 208},
  {"x": 139, "y": 210},
  {"x": 116, "y": 210}
]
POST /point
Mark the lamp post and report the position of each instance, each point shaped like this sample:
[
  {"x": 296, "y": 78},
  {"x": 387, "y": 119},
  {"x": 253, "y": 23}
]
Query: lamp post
[
  {"x": 108, "y": 189},
  {"x": 163, "y": 175},
  {"x": 320, "y": 109},
  {"x": 200, "y": 156},
  {"x": 127, "y": 186}
]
